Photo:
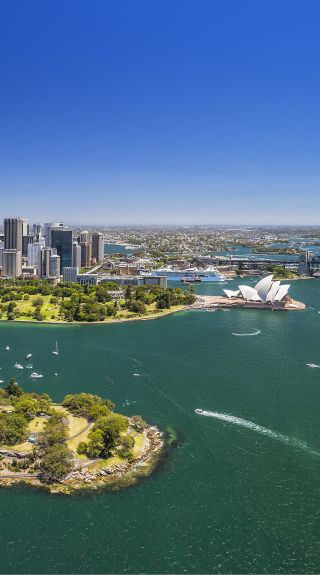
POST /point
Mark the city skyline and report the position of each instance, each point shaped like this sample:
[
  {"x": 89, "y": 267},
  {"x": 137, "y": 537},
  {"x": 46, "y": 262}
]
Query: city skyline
[{"x": 151, "y": 113}]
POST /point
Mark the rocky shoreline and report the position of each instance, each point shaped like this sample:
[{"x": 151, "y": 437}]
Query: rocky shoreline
[{"x": 123, "y": 474}]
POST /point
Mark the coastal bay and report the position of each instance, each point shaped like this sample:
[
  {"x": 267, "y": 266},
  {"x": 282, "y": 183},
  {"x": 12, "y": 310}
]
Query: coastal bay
[{"x": 227, "y": 498}]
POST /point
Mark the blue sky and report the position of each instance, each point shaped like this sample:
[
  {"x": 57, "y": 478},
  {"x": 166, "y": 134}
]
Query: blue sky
[{"x": 160, "y": 111}]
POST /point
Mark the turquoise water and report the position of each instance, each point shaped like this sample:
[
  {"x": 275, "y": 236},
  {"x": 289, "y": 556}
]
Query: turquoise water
[{"x": 230, "y": 498}]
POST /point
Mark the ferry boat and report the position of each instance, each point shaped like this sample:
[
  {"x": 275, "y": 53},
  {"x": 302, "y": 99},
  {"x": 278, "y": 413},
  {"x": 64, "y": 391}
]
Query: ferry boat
[{"x": 210, "y": 274}]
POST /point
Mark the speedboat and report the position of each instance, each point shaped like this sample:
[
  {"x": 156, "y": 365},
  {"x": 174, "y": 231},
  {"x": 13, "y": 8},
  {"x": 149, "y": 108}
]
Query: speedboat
[
  {"x": 56, "y": 350},
  {"x": 312, "y": 365},
  {"x": 18, "y": 365},
  {"x": 29, "y": 355},
  {"x": 7, "y": 348},
  {"x": 199, "y": 411},
  {"x": 36, "y": 375}
]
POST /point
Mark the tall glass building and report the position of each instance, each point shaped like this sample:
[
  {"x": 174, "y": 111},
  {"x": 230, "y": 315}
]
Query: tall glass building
[{"x": 61, "y": 240}]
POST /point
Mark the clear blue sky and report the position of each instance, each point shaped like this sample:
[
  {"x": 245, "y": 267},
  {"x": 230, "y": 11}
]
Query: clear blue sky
[{"x": 160, "y": 111}]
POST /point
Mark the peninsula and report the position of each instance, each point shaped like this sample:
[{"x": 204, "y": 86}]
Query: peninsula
[{"x": 79, "y": 444}]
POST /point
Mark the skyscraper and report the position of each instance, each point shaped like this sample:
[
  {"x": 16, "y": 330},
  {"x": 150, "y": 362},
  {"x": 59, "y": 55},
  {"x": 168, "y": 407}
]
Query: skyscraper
[
  {"x": 33, "y": 254},
  {"x": 54, "y": 266},
  {"x": 12, "y": 265},
  {"x": 97, "y": 244},
  {"x": 44, "y": 261},
  {"x": 76, "y": 255},
  {"x": 85, "y": 254},
  {"x": 84, "y": 237},
  {"x": 47, "y": 231},
  {"x": 13, "y": 232},
  {"x": 61, "y": 240}
]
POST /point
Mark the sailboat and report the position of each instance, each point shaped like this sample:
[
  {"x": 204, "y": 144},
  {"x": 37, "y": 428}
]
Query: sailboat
[{"x": 56, "y": 350}]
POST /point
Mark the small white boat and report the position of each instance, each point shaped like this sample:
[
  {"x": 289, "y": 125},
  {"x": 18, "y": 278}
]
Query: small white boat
[
  {"x": 18, "y": 366},
  {"x": 313, "y": 365},
  {"x": 1, "y": 381},
  {"x": 29, "y": 355},
  {"x": 7, "y": 348},
  {"x": 55, "y": 374},
  {"x": 36, "y": 375},
  {"x": 29, "y": 366},
  {"x": 56, "y": 350}
]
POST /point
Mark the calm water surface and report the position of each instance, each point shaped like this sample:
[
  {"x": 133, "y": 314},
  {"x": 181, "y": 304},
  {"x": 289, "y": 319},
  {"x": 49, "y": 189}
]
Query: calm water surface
[{"x": 232, "y": 498}]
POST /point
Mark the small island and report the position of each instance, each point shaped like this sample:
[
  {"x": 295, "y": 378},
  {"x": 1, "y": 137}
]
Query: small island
[
  {"x": 79, "y": 444},
  {"x": 43, "y": 301}
]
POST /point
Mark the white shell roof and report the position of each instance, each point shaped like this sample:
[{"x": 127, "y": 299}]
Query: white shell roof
[
  {"x": 282, "y": 292},
  {"x": 249, "y": 293},
  {"x": 273, "y": 291},
  {"x": 263, "y": 287},
  {"x": 231, "y": 293}
]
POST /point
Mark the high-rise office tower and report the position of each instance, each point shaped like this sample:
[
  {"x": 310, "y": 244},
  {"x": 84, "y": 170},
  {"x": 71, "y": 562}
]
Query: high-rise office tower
[
  {"x": 76, "y": 255},
  {"x": 13, "y": 232},
  {"x": 84, "y": 237},
  {"x": 44, "y": 261},
  {"x": 47, "y": 231},
  {"x": 12, "y": 263},
  {"x": 85, "y": 254},
  {"x": 25, "y": 227},
  {"x": 26, "y": 240},
  {"x": 54, "y": 266},
  {"x": 36, "y": 229},
  {"x": 61, "y": 240},
  {"x": 97, "y": 244},
  {"x": 33, "y": 254}
]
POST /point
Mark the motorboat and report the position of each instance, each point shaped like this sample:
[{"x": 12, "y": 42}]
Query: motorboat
[
  {"x": 7, "y": 348},
  {"x": 29, "y": 366},
  {"x": 18, "y": 366},
  {"x": 29, "y": 355},
  {"x": 36, "y": 375}
]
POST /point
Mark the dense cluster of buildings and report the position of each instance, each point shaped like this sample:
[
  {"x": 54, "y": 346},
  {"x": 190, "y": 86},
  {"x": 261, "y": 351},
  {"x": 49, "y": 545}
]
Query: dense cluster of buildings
[{"x": 49, "y": 251}]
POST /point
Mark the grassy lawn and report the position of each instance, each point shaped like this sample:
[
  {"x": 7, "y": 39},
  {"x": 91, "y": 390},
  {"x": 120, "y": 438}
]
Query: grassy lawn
[
  {"x": 103, "y": 463},
  {"x": 78, "y": 425},
  {"x": 138, "y": 444},
  {"x": 50, "y": 311}
]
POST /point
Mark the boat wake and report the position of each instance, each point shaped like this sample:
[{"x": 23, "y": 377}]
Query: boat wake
[
  {"x": 259, "y": 429},
  {"x": 256, "y": 332}
]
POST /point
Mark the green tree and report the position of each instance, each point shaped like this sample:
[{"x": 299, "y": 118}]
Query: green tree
[
  {"x": 13, "y": 389},
  {"x": 55, "y": 463},
  {"x": 13, "y": 428}
]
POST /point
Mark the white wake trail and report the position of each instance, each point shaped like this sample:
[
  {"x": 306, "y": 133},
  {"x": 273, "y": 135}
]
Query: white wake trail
[
  {"x": 256, "y": 332},
  {"x": 259, "y": 429}
]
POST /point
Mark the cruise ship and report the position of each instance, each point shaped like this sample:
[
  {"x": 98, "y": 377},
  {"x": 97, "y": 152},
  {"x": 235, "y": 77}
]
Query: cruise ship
[{"x": 210, "y": 274}]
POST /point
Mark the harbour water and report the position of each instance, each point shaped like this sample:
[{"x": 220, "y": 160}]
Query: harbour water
[{"x": 230, "y": 497}]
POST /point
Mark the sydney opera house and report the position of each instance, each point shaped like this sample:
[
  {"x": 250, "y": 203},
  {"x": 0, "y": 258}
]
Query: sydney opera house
[{"x": 266, "y": 291}]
